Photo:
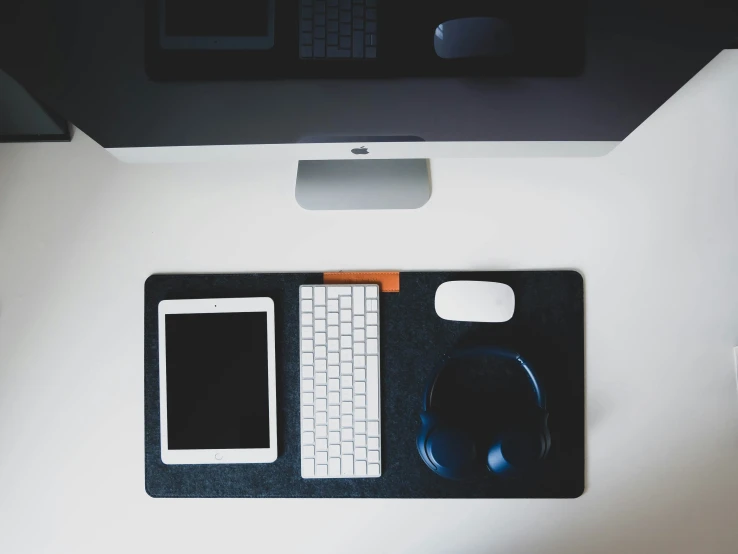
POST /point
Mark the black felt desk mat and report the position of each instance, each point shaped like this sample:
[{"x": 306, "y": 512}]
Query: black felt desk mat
[{"x": 547, "y": 329}]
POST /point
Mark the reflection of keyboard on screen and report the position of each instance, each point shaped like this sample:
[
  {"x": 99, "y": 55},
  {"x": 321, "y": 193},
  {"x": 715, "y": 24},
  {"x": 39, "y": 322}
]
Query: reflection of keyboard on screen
[
  {"x": 339, "y": 376},
  {"x": 338, "y": 29}
]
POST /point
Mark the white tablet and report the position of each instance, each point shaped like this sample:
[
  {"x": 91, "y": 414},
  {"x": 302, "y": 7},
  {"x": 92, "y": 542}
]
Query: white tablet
[{"x": 217, "y": 384}]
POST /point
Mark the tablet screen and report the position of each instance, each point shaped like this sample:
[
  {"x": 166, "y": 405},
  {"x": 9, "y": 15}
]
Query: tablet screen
[
  {"x": 217, "y": 380},
  {"x": 235, "y": 18}
]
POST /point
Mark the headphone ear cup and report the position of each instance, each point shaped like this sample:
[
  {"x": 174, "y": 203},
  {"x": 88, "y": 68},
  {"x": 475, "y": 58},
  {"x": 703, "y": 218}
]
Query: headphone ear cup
[
  {"x": 515, "y": 452},
  {"x": 452, "y": 452}
]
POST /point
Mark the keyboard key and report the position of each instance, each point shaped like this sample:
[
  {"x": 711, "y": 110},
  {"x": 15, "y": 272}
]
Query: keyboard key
[
  {"x": 359, "y": 321},
  {"x": 346, "y": 341},
  {"x": 372, "y": 388},
  {"x": 347, "y": 407},
  {"x": 359, "y": 335},
  {"x": 346, "y": 355},
  {"x": 307, "y": 332},
  {"x": 360, "y": 400},
  {"x": 347, "y": 368},
  {"x": 333, "y": 305},
  {"x": 321, "y": 444},
  {"x": 320, "y": 325},
  {"x": 360, "y": 453},
  {"x": 372, "y": 292},
  {"x": 307, "y": 385},
  {"x": 359, "y": 361},
  {"x": 321, "y": 391},
  {"x": 306, "y": 293},
  {"x": 373, "y": 456},
  {"x": 308, "y": 467},
  {"x": 307, "y": 371},
  {"x": 308, "y": 437},
  {"x": 307, "y": 398},
  {"x": 372, "y": 346},
  {"x": 334, "y": 437},
  {"x": 332, "y": 318},
  {"x": 334, "y": 424},
  {"x": 347, "y": 394},
  {"x": 321, "y": 431},
  {"x": 334, "y": 385},
  {"x": 346, "y": 381},
  {"x": 333, "y": 357},
  {"x": 307, "y": 411},
  {"x": 372, "y": 319},
  {"x": 307, "y": 319},
  {"x": 334, "y": 411},
  {"x": 373, "y": 443},
  {"x": 347, "y": 465},
  {"x": 333, "y": 331},
  {"x": 360, "y": 440},
  {"x": 322, "y": 351},
  {"x": 371, "y": 27},
  {"x": 345, "y": 315},
  {"x": 321, "y": 405},
  {"x": 373, "y": 427},
  {"x": 360, "y": 414},
  {"x": 358, "y": 41},
  {"x": 371, "y": 332},
  {"x": 308, "y": 451},
  {"x": 345, "y": 302},
  {"x": 371, "y": 305},
  {"x": 345, "y": 328},
  {"x": 320, "y": 339},
  {"x": 306, "y": 305},
  {"x": 348, "y": 435},
  {"x": 360, "y": 387},
  {"x": 347, "y": 447},
  {"x": 334, "y": 450},
  {"x": 321, "y": 471},
  {"x": 333, "y": 371},
  {"x": 319, "y": 296},
  {"x": 334, "y": 398},
  {"x": 308, "y": 424},
  {"x": 358, "y": 347},
  {"x": 359, "y": 374},
  {"x": 334, "y": 467},
  {"x": 319, "y": 312},
  {"x": 360, "y": 468},
  {"x": 374, "y": 470},
  {"x": 347, "y": 421},
  {"x": 321, "y": 457},
  {"x": 321, "y": 418},
  {"x": 320, "y": 365}
]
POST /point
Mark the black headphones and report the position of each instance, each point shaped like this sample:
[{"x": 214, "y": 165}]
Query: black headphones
[{"x": 452, "y": 452}]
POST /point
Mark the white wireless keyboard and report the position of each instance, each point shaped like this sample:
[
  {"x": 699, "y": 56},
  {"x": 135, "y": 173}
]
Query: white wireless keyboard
[{"x": 339, "y": 391}]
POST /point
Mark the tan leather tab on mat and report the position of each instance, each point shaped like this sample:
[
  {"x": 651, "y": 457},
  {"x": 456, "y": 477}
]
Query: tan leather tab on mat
[{"x": 388, "y": 281}]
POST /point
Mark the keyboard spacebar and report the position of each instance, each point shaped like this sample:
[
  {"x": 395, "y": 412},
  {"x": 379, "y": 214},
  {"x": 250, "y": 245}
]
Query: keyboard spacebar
[{"x": 372, "y": 387}]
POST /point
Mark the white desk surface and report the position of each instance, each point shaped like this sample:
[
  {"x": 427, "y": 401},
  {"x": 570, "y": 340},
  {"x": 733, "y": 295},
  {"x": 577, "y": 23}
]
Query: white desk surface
[{"x": 653, "y": 227}]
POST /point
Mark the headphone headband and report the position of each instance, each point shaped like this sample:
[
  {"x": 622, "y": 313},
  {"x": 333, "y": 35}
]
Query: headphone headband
[{"x": 480, "y": 352}]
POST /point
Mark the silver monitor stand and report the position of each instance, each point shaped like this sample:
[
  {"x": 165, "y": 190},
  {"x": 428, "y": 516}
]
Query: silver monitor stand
[{"x": 375, "y": 184}]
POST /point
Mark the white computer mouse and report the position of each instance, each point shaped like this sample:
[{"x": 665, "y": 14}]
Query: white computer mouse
[{"x": 482, "y": 301}]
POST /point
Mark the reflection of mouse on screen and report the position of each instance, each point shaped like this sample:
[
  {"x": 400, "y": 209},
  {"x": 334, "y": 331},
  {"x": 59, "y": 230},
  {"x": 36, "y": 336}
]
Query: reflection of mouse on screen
[{"x": 473, "y": 37}]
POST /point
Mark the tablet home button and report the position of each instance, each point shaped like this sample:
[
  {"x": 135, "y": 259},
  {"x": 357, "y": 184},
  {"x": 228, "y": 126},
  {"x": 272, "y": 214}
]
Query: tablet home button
[{"x": 218, "y": 456}]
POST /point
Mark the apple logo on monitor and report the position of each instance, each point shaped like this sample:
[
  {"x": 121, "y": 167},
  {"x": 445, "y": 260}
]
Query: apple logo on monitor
[{"x": 360, "y": 151}]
